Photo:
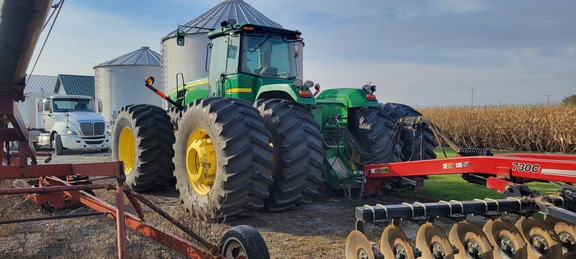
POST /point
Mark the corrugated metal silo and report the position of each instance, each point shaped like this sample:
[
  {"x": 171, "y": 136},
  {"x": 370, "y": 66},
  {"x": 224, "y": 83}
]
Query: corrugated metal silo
[
  {"x": 190, "y": 59},
  {"x": 120, "y": 81}
]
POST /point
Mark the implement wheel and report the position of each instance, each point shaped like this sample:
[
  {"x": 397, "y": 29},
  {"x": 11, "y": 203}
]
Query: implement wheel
[
  {"x": 541, "y": 240},
  {"x": 222, "y": 158},
  {"x": 395, "y": 244},
  {"x": 470, "y": 241},
  {"x": 433, "y": 243},
  {"x": 505, "y": 238},
  {"x": 243, "y": 242},
  {"x": 566, "y": 233},
  {"x": 142, "y": 139},
  {"x": 298, "y": 153},
  {"x": 358, "y": 246}
]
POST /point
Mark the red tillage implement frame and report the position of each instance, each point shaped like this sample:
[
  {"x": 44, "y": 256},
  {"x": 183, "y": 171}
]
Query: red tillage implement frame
[
  {"x": 502, "y": 169},
  {"x": 530, "y": 237}
]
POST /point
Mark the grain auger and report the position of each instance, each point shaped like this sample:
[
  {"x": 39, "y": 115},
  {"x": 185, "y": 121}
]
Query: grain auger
[{"x": 529, "y": 237}]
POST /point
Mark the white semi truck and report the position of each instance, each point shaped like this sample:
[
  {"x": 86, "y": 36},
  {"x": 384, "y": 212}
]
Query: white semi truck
[{"x": 67, "y": 122}]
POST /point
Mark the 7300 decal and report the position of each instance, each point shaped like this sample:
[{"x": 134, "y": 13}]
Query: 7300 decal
[{"x": 526, "y": 167}]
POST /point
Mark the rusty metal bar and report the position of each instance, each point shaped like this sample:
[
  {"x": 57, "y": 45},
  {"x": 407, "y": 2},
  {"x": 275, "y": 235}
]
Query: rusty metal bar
[
  {"x": 178, "y": 244},
  {"x": 174, "y": 221},
  {"x": 12, "y": 221},
  {"x": 120, "y": 221},
  {"x": 33, "y": 171},
  {"x": 136, "y": 206},
  {"x": 51, "y": 189}
]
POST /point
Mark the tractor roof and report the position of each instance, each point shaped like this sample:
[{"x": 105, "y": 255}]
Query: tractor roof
[{"x": 253, "y": 28}]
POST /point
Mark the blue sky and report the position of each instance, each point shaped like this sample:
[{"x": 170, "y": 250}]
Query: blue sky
[{"x": 417, "y": 52}]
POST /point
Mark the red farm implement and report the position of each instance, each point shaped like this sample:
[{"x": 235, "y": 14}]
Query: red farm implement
[{"x": 530, "y": 237}]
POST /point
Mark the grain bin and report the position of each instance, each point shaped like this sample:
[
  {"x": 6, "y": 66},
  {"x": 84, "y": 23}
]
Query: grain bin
[
  {"x": 190, "y": 59},
  {"x": 120, "y": 81}
]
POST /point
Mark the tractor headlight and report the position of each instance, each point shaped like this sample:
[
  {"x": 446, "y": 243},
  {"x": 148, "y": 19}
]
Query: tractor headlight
[
  {"x": 70, "y": 132},
  {"x": 298, "y": 83},
  {"x": 366, "y": 88},
  {"x": 309, "y": 84}
]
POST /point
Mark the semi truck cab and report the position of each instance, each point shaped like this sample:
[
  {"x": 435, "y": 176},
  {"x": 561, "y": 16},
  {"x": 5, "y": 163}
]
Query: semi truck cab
[{"x": 71, "y": 122}]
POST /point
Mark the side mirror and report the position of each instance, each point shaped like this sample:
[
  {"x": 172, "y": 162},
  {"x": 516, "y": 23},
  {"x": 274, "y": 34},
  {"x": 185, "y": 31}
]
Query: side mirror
[
  {"x": 99, "y": 105},
  {"x": 296, "y": 50},
  {"x": 38, "y": 105}
]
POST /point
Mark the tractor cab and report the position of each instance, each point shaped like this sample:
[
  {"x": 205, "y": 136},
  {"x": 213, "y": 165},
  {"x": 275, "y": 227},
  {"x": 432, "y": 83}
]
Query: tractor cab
[{"x": 253, "y": 62}]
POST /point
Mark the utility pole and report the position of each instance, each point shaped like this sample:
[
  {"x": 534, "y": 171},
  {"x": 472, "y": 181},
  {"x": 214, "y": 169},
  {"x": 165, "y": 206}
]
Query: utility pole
[
  {"x": 472, "y": 96},
  {"x": 548, "y": 95}
]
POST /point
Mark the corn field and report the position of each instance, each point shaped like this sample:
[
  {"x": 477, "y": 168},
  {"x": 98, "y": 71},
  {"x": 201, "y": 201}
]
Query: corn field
[{"x": 521, "y": 128}]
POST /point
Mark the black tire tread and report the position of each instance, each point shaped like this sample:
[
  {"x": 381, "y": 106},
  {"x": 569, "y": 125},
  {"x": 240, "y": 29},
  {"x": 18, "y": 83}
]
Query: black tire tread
[
  {"x": 418, "y": 140},
  {"x": 243, "y": 158},
  {"x": 374, "y": 130},
  {"x": 58, "y": 148},
  {"x": 298, "y": 153},
  {"x": 250, "y": 239},
  {"x": 154, "y": 138}
]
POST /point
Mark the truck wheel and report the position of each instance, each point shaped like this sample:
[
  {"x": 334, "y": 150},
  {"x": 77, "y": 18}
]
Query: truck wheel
[
  {"x": 243, "y": 242},
  {"x": 376, "y": 134},
  {"x": 57, "y": 144},
  {"x": 298, "y": 153},
  {"x": 142, "y": 138},
  {"x": 222, "y": 158},
  {"x": 418, "y": 138}
]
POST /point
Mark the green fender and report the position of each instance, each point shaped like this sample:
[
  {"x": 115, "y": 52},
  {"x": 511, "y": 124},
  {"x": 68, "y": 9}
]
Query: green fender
[
  {"x": 283, "y": 91},
  {"x": 351, "y": 97}
]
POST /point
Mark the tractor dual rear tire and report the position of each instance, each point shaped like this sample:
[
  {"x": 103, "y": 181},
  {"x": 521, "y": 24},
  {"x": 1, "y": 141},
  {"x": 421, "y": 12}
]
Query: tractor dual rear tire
[
  {"x": 298, "y": 154},
  {"x": 375, "y": 132},
  {"x": 142, "y": 138},
  {"x": 222, "y": 158},
  {"x": 418, "y": 139}
]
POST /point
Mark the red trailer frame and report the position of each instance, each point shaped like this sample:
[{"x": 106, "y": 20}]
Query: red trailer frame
[{"x": 55, "y": 188}]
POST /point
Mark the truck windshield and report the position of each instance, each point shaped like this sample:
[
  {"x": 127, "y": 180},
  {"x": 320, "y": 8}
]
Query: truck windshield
[
  {"x": 268, "y": 56},
  {"x": 71, "y": 104}
]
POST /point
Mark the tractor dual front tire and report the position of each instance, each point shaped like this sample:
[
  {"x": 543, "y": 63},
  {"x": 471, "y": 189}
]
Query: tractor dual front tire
[
  {"x": 298, "y": 153},
  {"x": 142, "y": 138},
  {"x": 222, "y": 158}
]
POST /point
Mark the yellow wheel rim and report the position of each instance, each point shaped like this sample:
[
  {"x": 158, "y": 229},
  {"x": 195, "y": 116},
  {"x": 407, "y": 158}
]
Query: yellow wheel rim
[
  {"x": 127, "y": 149},
  {"x": 201, "y": 161}
]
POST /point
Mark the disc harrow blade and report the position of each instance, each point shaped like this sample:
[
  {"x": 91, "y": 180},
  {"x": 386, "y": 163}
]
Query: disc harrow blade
[
  {"x": 540, "y": 238},
  {"x": 358, "y": 246},
  {"x": 505, "y": 238},
  {"x": 433, "y": 242},
  {"x": 470, "y": 241},
  {"x": 566, "y": 233},
  {"x": 394, "y": 243}
]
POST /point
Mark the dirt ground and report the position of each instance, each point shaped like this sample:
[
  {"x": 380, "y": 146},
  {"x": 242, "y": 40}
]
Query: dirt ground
[{"x": 317, "y": 230}]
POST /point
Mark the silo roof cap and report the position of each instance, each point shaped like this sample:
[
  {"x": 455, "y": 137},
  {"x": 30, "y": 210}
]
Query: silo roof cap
[
  {"x": 140, "y": 57},
  {"x": 239, "y": 10}
]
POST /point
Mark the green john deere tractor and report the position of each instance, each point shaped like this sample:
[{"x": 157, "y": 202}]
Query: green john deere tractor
[{"x": 252, "y": 136}]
